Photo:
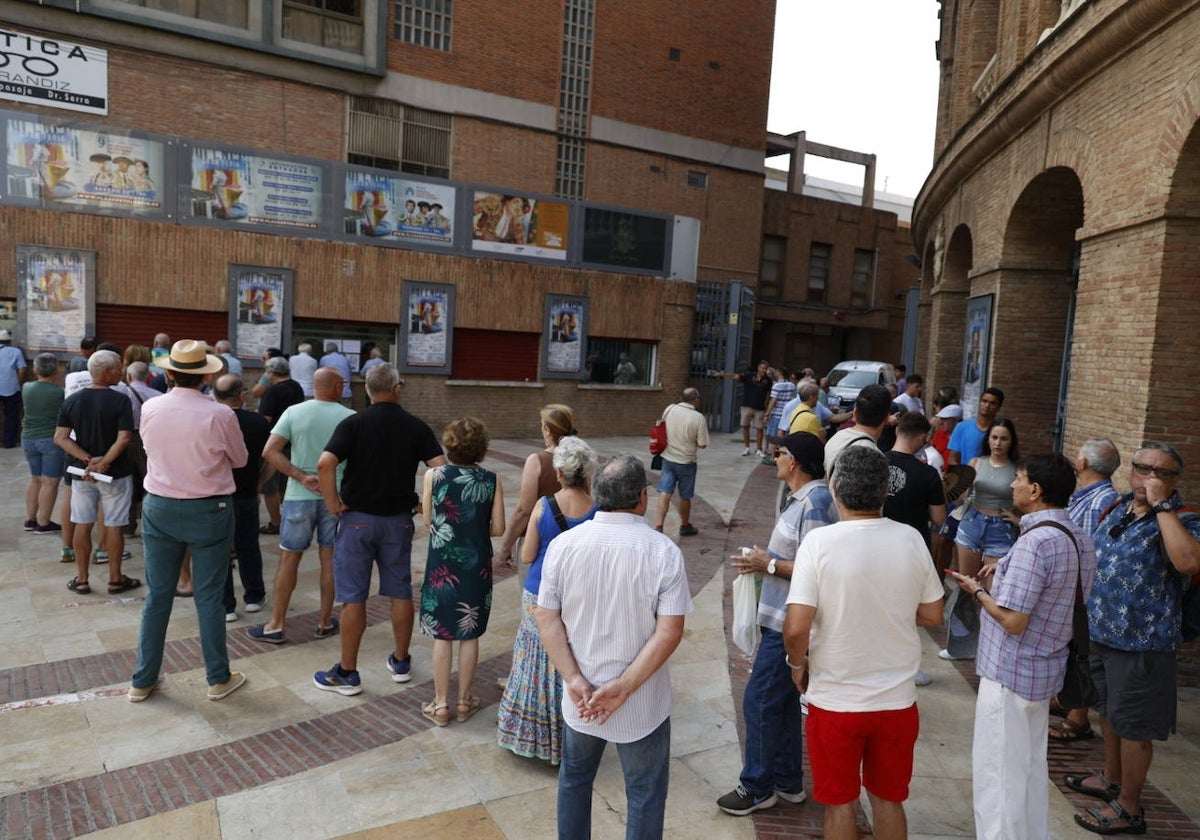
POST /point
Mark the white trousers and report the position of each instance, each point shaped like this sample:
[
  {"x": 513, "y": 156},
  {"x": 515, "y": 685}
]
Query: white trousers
[{"x": 1011, "y": 782}]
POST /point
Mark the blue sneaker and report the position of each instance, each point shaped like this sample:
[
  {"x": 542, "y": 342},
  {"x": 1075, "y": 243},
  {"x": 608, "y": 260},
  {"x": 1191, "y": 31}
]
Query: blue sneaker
[
  {"x": 400, "y": 669},
  {"x": 332, "y": 680}
]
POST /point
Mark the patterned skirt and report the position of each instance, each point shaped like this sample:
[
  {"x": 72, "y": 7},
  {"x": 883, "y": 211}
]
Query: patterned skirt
[{"x": 530, "y": 721}]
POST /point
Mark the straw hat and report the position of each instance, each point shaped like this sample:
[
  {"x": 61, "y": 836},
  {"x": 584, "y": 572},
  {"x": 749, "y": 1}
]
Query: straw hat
[{"x": 189, "y": 356}]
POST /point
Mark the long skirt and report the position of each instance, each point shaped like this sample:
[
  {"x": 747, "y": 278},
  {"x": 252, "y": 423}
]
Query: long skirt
[{"x": 530, "y": 721}]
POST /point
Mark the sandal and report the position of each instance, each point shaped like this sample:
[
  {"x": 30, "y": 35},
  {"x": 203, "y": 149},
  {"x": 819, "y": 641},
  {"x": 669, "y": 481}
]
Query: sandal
[
  {"x": 437, "y": 712},
  {"x": 1065, "y": 731},
  {"x": 116, "y": 587},
  {"x": 1108, "y": 793},
  {"x": 79, "y": 587},
  {"x": 467, "y": 706},
  {"x": 1100, "y": 824}
]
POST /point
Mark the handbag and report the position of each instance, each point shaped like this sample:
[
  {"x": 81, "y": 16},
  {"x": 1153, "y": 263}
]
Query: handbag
[
  {"x": 1078, "y": 691},
  {"x": 658, "y": 435}
]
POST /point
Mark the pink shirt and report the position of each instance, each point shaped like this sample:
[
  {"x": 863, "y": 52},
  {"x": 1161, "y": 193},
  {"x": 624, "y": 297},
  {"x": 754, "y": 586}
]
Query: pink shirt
[{"x": 192, "y": 445}]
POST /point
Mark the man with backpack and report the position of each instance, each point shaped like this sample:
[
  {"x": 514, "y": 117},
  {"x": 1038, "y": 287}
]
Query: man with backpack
[{"x": 1146, "y": 545}]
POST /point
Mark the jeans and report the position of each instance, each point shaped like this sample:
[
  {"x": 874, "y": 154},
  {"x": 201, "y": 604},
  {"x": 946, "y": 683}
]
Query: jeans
[
  {"x": 249, "y": 555},
  {"x": 774, "y": 727},
  {"x": 646, "y": 765},
  {"x": 169, "y": 528}
]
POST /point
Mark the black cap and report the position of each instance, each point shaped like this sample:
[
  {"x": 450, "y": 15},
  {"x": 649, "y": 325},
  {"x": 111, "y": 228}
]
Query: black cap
[{"x": 806, "y": 448}]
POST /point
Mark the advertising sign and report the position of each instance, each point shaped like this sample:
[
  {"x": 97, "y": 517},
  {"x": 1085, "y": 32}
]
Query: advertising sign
[
  {"x": 52, "y": 73},
  {"x": 505, "y": 223},
  {"x": 55, "y": 297},
  {"x": 230, "y": 186},
  {"x": 384, "y": 209},
  {"x": 259, "y": 309},
  {"x": 427, "y": 326},
  {"x": 564, "y": 336},
  {"x": 76, "y": 168},
  {"x": 976, "y": 351},
  {"x": 623, "y": 240}
]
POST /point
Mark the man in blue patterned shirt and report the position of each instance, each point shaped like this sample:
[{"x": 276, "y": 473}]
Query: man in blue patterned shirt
[
  {"x": 771, "y": 704},
  {"x": 1144, "y": 548},
  {"x": 1097, "y": 461}
]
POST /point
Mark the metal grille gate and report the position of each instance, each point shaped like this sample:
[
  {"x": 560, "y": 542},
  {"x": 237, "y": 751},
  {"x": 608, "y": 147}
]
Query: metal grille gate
[{"x": 722, "y": 332}]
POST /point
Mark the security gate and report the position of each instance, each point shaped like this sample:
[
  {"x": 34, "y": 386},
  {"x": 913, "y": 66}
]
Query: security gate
[{"x": 722, "y": 333}]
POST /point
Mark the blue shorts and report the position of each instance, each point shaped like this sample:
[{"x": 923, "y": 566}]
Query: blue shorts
[
  {"x": 681, "y": 475},
  {"x": 993, "y": 535},
  {"x": 299, "y": 518},
  {"x": 363, "y": 541},
  {"x": 45, "y": 459}
]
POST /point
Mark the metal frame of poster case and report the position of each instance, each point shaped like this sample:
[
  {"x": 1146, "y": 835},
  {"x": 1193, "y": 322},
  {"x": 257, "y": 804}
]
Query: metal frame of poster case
[
  {"x": 580, "y": 242},
  {"x": 289, "y": 285},
  {"x": 519, "y": 253},
  {"x": 554, "y": 301},
  {"x": 339, "y": 216},
  {"x": 327, "y": 204},
  {"x": 408, "y": 289},
  {"x": 979, "y": 314},
  {"x": 168, "y": 199},
  {"x": 22, "y": 338}
]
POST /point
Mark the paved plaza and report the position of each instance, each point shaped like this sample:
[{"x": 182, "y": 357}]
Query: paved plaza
[{"x": 280, "y": 759}]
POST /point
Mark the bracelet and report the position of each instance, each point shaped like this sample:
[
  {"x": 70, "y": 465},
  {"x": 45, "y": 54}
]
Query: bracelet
[{"x": 795, "y": 667}]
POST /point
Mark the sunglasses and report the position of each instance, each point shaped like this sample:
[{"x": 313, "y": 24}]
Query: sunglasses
[{"x": 1159, "y": 472}]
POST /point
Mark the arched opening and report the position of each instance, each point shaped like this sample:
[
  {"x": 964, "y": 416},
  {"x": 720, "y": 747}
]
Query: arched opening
[{"x": 951, "y": 269}]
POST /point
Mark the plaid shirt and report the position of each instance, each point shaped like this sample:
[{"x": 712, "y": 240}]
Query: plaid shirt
[
  {"x": 1036, "y": 577},
  {"x": 1087, "y": 504},
  {"x": 809, "y": 507}
]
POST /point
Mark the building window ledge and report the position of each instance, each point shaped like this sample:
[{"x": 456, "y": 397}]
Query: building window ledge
[
  {"x": 608, "y": 386},
  {"x": 489, "y": 383}
]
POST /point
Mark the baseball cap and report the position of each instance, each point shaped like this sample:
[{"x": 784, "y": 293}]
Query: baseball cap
[
  {"x": 805, "y": 447},
  {"x": 951, "y": 412}
]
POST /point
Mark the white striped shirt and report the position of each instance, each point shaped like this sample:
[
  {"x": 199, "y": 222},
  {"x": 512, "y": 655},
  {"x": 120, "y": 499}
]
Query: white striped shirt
[{"x": 611, "y": 578}]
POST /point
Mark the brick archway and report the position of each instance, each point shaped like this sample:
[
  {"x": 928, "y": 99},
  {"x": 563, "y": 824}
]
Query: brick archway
[{"x": 948, "y": 310}]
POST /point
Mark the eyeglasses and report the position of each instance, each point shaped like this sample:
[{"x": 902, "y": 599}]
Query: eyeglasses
[
  {"x": 1159, "y": 472},
  {"x": 1117, "y": 530}
]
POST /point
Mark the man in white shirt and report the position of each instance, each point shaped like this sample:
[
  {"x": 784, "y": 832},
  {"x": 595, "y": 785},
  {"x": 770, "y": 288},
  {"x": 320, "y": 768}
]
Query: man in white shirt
[
  {"x": 910, "y": 398},
  {"x": 303, "y": 367},
  {"x": 687, "y": 432},
  {"x": 860, "y": 588},
  {"x": 612, "y": 651}
]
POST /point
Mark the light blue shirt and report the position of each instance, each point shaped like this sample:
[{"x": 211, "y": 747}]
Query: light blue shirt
[
  {"x": 341, "y": 364},
  {"x": 12, "y": 364}
]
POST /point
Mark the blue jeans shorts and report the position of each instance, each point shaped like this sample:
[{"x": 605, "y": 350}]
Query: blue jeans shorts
[
  {"x": 364, "y": 541},
  {"x": 681, "y": 475},
  {"x": 87, "y": 495},
  {"x": 299, "y": 518},
  {"x": 45, "y": 459},
  {"x": 993, "y": 535}
]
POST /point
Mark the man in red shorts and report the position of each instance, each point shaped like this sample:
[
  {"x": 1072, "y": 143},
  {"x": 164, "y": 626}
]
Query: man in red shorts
[{"x": 860, "y": 588}]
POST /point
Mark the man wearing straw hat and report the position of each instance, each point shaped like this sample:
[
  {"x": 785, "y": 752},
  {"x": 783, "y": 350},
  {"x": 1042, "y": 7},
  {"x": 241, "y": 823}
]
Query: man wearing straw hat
[{"x": 192, "y": 446}]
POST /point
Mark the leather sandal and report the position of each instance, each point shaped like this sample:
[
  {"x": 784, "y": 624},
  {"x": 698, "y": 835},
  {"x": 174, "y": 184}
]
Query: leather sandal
[
  {"x": 1101, "y": 824},
  {"x": 79, "y": 587},
  {"x": 439, "y": 713},
  {"x": 1108, "y": 793},
  {"x": 116, "y": 587},
  {"x": 467, "y": 706}
]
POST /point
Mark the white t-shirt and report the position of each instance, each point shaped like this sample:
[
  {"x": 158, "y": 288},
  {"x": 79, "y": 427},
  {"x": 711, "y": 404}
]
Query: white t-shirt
[
  {"x": 910, "y": 403},
  {"x": 839, "y": 441},
  {"x": 866, "y": 577}
]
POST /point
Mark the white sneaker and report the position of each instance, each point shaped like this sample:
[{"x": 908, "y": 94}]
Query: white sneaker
[
  {"x": 746, "y": 451},
  {"x": 231, "y": 617},
  {"x": 255, "y": 606},
  {"x": 923, "y": 679},
  {"x": 758, "y": 453}
]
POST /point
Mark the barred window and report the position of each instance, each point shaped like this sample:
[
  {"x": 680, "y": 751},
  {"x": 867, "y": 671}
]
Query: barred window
[
  {"x": 425, "y": 23},
  {"x": 387, "y": 135}
]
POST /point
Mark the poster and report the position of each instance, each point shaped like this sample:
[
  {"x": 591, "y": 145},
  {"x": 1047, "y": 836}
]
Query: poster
[
  {"x": 621, "y": 239},
  {"x": 56, "y": 290},
  {"x": 74, "y": 168},
  {"x": 565, "y": 335},
  {"x": 976, "y": 350},
  {"x": 427, "y": 326},
  {"x": 229, "y": 186},
  {"x": 53, "y": 73},
  {"x": 398, "y": 210},
  {"x": 259, "y": 309},
  {"x": 505, "y": 223}
]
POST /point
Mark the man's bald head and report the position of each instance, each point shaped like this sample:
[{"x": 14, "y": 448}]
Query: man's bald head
[
  {"x": 327, "y": 384},
  {"x": 229, "y": 389},
  {"x": 162, "y": 340}
]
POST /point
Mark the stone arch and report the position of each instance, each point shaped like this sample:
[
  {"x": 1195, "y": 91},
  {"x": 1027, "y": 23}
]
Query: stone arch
[
  {"x": 947, "y": 319},
  {"x": 1169, "y": 151}
]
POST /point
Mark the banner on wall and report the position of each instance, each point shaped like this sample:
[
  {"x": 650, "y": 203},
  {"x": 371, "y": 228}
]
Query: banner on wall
[
  {"x": 427, "y": 326},
  {"x": 386, "y": 209},
  {"x": 55, "y": 297},
  {"x": 259, "y": 309},
  {"x": 564, "y": 336},
  {"x": 52, "y": 73},
  {"x": 231, "y": 186},
  {"x": 73, "y": 168},
  {"x": 976, "y": 350},
  {"x": 505, "y": 223},
  {"x": 623, "y": 240}
]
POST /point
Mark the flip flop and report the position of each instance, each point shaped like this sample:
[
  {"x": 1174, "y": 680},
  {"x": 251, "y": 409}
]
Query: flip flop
[
  {"x": 126, "y": 583},
  {"x": 1065, "y": 731},
  {"x": 79, "y": 587}
]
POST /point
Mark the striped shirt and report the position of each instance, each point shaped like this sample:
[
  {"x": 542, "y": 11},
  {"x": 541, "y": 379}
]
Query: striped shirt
[
  {"x": 610, "y": 579},
  {"x": 1087, "y": 504},
  {"x": 809, "y": 507}
]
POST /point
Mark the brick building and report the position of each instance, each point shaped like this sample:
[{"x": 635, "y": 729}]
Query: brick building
[
  {"x": 633, "y": 145},
  {"x": 1066, "y": 187}
]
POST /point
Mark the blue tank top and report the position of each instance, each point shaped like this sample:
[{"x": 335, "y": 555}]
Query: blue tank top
[{"x": 547, "y": 530}]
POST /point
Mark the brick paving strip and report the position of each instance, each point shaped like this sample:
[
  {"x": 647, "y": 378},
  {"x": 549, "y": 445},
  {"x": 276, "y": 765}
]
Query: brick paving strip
[{"x": 104, "y": 800}]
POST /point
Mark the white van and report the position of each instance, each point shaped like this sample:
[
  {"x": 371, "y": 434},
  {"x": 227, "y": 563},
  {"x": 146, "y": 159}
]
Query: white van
[{"x": 848, "y": 378}]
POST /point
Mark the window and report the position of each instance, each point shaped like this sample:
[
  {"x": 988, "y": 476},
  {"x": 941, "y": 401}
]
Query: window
[
  {"x": 697, "y": 180},
  {"x": 620, "y": 361},
  {"x": 387, "y": 135},
  {"x": 224, "y": 12},
  {"x": 574, "y": 97},
  {"x": 770, "y": 267},
  {"x": 425, "y": 23},
  {"x": 333, "y": 24},
  {"x": 862, "y": 283},
  {"x": 819, "y": 257},
  {"x": 317, "y": 332}
]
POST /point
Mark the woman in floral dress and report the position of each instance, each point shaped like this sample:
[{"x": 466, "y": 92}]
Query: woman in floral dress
[
  {"x": 463, "y": 508},
  {"x": 530, "y": 722}
]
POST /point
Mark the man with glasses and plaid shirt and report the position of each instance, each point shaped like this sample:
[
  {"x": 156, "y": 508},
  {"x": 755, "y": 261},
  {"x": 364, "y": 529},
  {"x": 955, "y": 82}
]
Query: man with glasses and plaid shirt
[{"x": 1145, "y": 545}]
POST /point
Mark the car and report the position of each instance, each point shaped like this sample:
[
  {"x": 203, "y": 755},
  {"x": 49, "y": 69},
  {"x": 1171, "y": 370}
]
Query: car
[{"x": 846, "y": 379}]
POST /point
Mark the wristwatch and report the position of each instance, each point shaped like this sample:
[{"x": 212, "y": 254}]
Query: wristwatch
[
  {"x": 1161, "y": 507},
  {"x": 771, "y": 566}
]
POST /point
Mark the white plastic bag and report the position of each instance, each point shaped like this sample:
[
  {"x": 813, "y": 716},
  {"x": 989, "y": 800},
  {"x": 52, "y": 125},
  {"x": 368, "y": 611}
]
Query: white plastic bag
[{"x": 745, "y": 612}]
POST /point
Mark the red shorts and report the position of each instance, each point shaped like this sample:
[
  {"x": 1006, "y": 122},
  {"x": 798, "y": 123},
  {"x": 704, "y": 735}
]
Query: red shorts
[{"x": 874, "y": 746}]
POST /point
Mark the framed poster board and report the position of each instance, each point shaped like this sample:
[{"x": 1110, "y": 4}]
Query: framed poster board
[
  {"x": 56, "y": 298},
  {"x": 260, "y": 309},
  {"x": 426, "y": 327},
  {"x": 514, "y": 225},
  {"x": 564, "y": 337},
  {"x": 618, "y": 239},
  {"x": 384, "y": 209},
  {"x": 976, "y": 352}
]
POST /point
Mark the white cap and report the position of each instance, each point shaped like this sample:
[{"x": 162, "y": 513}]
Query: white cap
[
  {"x": 951, "y": 412},
  {"x": 5, "y": 335}
]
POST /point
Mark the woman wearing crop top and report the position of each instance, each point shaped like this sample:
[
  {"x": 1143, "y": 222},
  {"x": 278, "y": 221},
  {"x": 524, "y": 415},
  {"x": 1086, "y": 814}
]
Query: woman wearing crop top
[{"x": 987, "y": 530}]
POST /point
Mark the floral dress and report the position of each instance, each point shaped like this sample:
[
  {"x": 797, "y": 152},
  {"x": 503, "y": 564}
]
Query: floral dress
[{"x": 456, "y": 596}]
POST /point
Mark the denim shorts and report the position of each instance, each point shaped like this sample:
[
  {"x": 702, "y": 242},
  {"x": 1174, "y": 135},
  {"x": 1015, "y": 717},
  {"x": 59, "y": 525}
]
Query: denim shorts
[
  {"x": 363, "y": 541},
  {"x": 681, "y": 475},
  {"x": 87, "y": 495},
  {"x": 45, "y": 459},
  {"x": 299, "y": 518},
  {"x": 993, "y": 535}
]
